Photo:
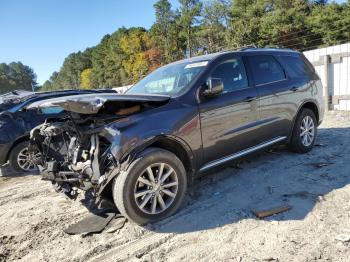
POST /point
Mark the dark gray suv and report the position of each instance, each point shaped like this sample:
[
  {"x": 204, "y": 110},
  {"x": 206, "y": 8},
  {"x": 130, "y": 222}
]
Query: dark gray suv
[{"x": 143, "y": 148}]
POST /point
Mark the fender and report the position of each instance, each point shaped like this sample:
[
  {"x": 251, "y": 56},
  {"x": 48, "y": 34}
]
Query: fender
[
  {"x": 136, "y": 151},
  {"x": 139, "y": 148},
  {"x": 298, "y": 112}
]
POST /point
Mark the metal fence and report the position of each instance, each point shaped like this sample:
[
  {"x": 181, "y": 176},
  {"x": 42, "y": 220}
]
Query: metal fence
[{"x": 333, "y": 66}]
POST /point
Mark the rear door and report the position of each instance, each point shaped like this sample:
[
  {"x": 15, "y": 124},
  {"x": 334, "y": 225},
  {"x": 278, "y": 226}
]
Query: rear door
[
  {"x": 274, "y": 88},
  {"x": 228, "y": 121}
]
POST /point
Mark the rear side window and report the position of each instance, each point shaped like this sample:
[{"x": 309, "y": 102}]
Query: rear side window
[
  {"x": 265, "y": 69},
  {"x": 296, "y": 67}
]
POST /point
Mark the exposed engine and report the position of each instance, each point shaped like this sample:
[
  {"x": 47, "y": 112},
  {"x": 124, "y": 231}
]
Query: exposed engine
[{"x": 75, "y": 155}]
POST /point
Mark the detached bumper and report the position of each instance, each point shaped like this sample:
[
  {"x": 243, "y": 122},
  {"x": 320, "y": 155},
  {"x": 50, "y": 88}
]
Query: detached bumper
[{"x": 4, "y": 150}]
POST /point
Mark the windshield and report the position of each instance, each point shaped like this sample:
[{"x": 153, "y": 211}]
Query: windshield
[{"x": 168, "y": 80}]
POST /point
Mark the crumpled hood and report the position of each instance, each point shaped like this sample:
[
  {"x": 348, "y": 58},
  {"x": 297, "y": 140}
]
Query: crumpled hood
[{"x": 93, "y": 103}]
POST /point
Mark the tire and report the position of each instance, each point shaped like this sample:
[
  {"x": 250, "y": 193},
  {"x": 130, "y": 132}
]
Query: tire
[
  {"x": 297, "y": 143},
  {"x": 126, "y": 187},
  {"x": 15, "y": 163}
]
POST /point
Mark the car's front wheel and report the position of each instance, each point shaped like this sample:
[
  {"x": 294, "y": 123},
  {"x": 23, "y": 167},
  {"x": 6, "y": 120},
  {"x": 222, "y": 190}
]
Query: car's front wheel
[
  {"x": 152, "y": 188},
  {"x": 304, "y": 132}
]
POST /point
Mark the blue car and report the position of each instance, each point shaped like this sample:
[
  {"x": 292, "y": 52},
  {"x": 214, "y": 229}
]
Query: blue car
[{"x": 16, "y": 121}]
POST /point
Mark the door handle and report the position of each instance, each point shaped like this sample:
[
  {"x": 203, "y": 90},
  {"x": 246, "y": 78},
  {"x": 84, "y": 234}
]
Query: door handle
[
  {"x": 249, "y": 99},
  {"x": 294, "y": 88}
]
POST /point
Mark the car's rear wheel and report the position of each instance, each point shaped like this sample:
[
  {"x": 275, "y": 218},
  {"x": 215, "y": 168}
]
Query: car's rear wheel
[
  {"x": 152, "y": 188},
  {"x": 304, "y": 132},
  {"x": 21, "y": 160}
]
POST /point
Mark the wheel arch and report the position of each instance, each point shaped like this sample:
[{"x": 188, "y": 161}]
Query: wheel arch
[
  {"x": 313, "y": 107},
  {"x": 309, "y": 104},
  {"x": 14, "y": 144},
  {"x": 174, "y": 145},
  {"x": 170, "y": 143}
]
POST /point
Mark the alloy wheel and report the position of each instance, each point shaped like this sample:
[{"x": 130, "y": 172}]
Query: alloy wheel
[
  {"x": 156, "y": 188},
  {"x": 307, "y": 131},
  {"x": 26, "y": 160}
]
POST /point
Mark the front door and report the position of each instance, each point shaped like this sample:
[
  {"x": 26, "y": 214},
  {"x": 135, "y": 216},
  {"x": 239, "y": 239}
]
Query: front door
[{"x": 228, "y": 121}]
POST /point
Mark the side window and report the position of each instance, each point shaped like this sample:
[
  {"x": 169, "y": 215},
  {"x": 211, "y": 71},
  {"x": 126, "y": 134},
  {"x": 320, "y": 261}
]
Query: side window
[
  {"x": 265, "y": 69},
  {"x": 52, "y": 110},
  {"x": 296, "y": 67},
  {"x": 232, "y": 73}
]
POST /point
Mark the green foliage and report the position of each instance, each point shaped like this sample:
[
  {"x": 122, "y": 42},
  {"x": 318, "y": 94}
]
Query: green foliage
[
  {"x": 331, "y": 23},
  {"x": 123, "y": 57},
  {"x": 165, "y": 32},
  {"x": 190, "y": 11},
  {"x": 212, "y": 33},
  {"x": 16, "y": 76},
  {"x": 69, "y": 75},
  {"x": 47, "y": 86},
  {"x": 198, "y": 27},
  {"x": 284, "y": 24},
  {"x": 85, "y": 79},
  {"x": 245, "y": 22}
]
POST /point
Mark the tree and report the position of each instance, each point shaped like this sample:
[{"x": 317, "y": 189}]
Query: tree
[
  {"x": 16, "y": 76},
  {"x": 69, "y": 75},
  {"x": 284, "y": 24},
  {"x": 107, "y": 57},
  {"x": 245, "y": 19},
  {"x": 330, "y": 22},
  {"x": 198, "y": 27},
  {"x": 213, "y": 28},
  {"x": 85, "y": 79},
  {"x": 161, "y": 28},
  {"x": 47, "y": 86},
  {"x": 137, "y": 45},
  {"x": 190, "y": 10}
]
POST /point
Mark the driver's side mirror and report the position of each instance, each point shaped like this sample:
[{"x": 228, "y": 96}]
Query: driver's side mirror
[{"x": 215, "y": 87}]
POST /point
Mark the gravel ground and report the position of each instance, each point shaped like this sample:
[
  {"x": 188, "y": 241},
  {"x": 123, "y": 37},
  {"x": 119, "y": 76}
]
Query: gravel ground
[{"x": 216, "y": 222}]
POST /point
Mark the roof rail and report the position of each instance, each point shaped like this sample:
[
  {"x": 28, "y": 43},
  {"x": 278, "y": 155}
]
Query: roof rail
[
  {"x": 241, "y": 48},
  {"x": 247, "y": 47},
  {"x": 273, "y": 46}
]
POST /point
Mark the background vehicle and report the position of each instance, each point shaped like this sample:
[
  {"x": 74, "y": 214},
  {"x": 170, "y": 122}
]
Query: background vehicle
[
  {"x": 16, "y": 122},
  {"x": 13, "y": 98},
  {"x": 142, "y": 149}
]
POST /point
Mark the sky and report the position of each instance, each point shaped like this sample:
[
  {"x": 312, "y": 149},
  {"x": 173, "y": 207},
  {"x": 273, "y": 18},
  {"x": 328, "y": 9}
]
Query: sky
[{"x": 41, "y": 33}]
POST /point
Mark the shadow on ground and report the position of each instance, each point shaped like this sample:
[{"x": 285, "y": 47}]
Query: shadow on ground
[
  {"x": 262, "y": 181},
  {"x": 266, "y": 180},
  {"x": 7, "y": 172}
]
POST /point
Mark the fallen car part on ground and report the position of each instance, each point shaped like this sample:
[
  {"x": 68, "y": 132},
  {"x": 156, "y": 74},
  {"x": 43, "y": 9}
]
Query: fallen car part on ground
[
  {"x": 272, "y": 211},
  {"x": 96, "y": 223},
  {"x": 93, "y": 223}
]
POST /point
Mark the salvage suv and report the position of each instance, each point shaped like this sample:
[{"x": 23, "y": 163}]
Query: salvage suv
[{"x": 143, "y": 148}]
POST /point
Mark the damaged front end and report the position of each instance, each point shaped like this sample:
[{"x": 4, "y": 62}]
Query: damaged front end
[
  {"x": 80, "y": 151},
  {"x": 71, "y": 158}
]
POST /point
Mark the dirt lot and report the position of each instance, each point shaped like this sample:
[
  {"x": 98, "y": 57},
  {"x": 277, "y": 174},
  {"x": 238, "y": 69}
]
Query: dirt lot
[{"x": 216, "y": 222}]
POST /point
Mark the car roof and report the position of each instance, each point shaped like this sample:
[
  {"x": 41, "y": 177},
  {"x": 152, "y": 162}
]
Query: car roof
[{"x": 213, "y": 56}]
